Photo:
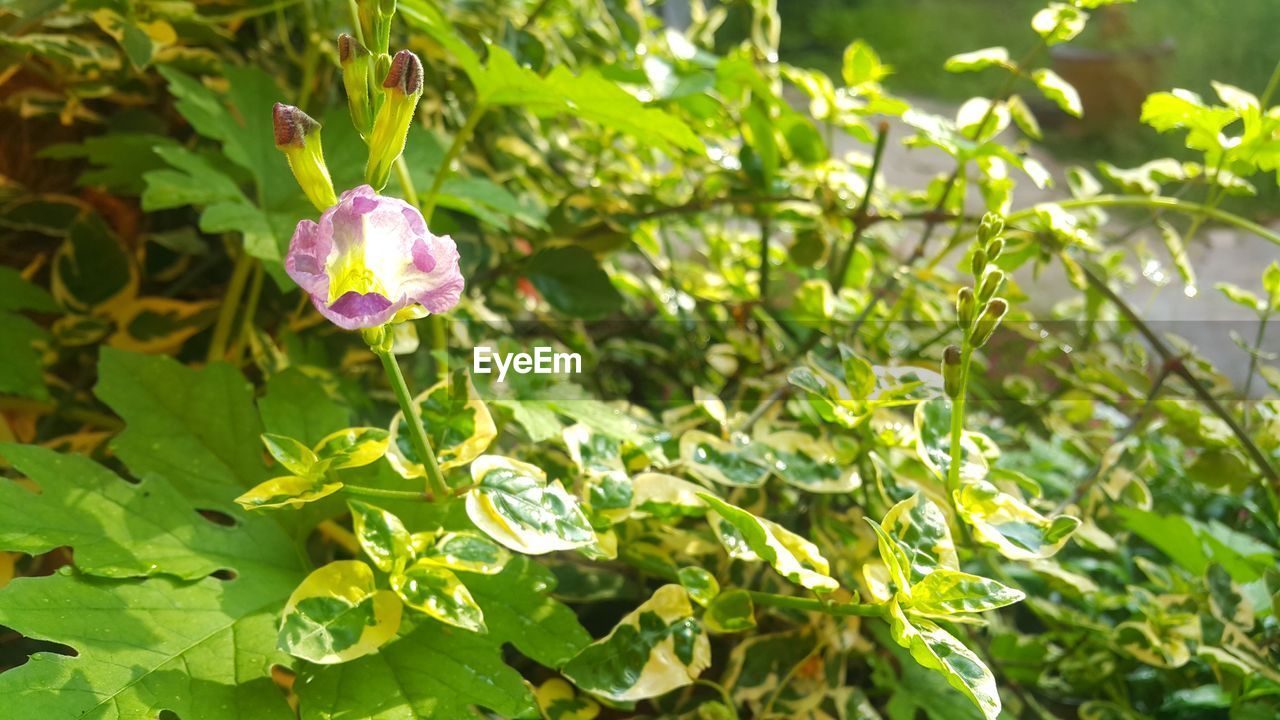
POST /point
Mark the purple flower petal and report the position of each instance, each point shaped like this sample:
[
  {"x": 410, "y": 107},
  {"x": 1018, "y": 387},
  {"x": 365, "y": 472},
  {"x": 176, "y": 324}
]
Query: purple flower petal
[{"x": 377, "y": 256}]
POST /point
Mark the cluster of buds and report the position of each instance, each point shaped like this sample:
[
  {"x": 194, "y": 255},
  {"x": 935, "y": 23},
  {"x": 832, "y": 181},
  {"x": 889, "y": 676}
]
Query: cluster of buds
[
  {"x": 382, "y": 95},
  {"x": 978, "y": 312}
]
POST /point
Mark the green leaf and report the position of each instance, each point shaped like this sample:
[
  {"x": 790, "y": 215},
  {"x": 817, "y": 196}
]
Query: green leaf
[
  {"x": 1023, "y": 117},
  {"x": 337, "y": 615},
  {"x": 519, "y": 610},
  {"x": 933, "y": 442},
  {"x": 21, "y": 365},
  {"x": 92, "y": 271},
  {"x": 947, "y": 592},
  {"x": 700, "y": 584},
  {"x": 1178, "y": 252},
  {"x": 121, "y": 529},
  {"x": 436, "y": 591},
  {"x": 1240, "y": 296},
  {"x": 861, "y": 65},
  {"x": 142, "y": 646},
  {"x": 655, "y": 649},
  {"x": 707, "y": 457},
  {"x": 936, "y": 649},
  {"x": 1059, "y": 22},
  {"x": 434, "y": 672},
  {"x": 168, "y": 408},
  {"x": 297, "y": 405},
  {"x": 16, "y": 293},
  {"x": 293, "y": 455},
  {"x": 792, "y": 556},
  {"x": 381, "y": 534},
  {"x": 1058, "y": 90},
  {"x": 573, "y": 283},
  {"x": 978, "y": 60},
  {"x": 731, "y": 611},
  {"x": 513, "y": 504}
]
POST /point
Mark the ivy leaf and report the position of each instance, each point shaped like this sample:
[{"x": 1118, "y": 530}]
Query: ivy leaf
[
  {"x": 655, "y": 649},
  {"x": 167, "y": 409},
  {"x": 1058, "y": 90},
  {"x": 457, "y": 422},
  {"x": 936, "y": 649},
  {"x": 707, "y": 457},
  {"x": 514, "y": 504},
  {"x": 337, "y": 615},
  {"x": 792, "y": 556}
]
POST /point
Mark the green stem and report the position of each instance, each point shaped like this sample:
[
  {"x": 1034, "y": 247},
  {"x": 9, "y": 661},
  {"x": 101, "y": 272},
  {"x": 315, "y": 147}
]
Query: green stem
[
  {"x": 1161, "y": 203},
  {"x": 417, "y": 434},
  {"x": 446, "y": 165},
  {"x": 387, "y": 494},
  {"x": 1253, "y": 356},
  {"x": 250, "y": 310},
  {"x": 230, "y": 303},
  {"x": 957, "y": 421},
  {"x": 406, "y": 181}
]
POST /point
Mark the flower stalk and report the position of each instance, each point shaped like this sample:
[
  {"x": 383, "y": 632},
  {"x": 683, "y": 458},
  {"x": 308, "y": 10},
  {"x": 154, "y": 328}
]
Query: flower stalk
[{"x": 379, "y": 343}]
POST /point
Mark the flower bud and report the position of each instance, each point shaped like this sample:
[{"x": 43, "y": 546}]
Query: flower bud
[
  {"x": 964, "y": 307},
  {"x": 990, "y": 227},
  {"x": 298, "y": 137},
  {"x": 994, "y": 249},
  {"x": 988, "y": 321},
  {"x": 991, "y": 283},
  {"x": 402, "y": 88},
  {"x": 356, "y": 64},
  {"x": 979, "y": 262},
  {"x": 951, "y": 380},
  {"x": 375, "y": 18}
]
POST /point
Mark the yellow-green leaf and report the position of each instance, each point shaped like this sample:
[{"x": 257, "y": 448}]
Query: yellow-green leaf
[
  {"x": 289, "y": 490},
  {"x": 514, "y": 504},
  {"x": 353, "y": 447},
  {"x": 655, "y": 649},
  {"x": 337, "y": 615},
  {"x": 1009, "y": 525},
  {"x": 457, "y": 421},
  {"x": 466, "y": 551},
  {"x": 792, "y": 556},
  {"x": 293, "y": 455},
  {"x": 436, "y": 591},
  {"x": 935, "y": 649},
  {"x": 947, "y": 592},
  {"x": 382, "y": 536}
]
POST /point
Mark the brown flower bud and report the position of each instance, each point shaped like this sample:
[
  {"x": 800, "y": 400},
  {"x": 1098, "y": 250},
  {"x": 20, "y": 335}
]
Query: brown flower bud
[
  {"x": 405, "y": 74},
  {"x": 292, "y": 126}
]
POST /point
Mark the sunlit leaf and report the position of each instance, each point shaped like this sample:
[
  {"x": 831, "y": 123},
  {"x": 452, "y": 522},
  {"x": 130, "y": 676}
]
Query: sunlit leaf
[
  {"x": 514, "y": 504},
  {"x": 337, "y": 615},
  {"x": 655, "y": 649},
  {"x": 792, "y": 556},
  {"x": 457, "y": 421},
  {"x": 436, "y": 591}
]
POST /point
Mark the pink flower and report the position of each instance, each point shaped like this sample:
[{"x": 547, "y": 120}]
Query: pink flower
[{"x": 371, "y": 257}]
